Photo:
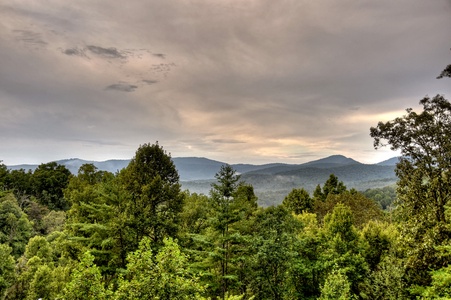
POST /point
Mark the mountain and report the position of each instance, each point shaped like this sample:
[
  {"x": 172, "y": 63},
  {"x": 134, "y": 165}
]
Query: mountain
[
  {"x": 271, "y": 182},
  {"x": 389, "y": 162},
  {"x": 73, "y": 164}
]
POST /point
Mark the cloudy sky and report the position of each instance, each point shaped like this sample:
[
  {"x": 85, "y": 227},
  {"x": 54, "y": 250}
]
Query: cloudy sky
[{"x": 252, "y": 81}]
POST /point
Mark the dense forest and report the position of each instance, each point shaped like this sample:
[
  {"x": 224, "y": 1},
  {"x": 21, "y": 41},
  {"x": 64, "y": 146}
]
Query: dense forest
[{"x": 137, "y": 235}]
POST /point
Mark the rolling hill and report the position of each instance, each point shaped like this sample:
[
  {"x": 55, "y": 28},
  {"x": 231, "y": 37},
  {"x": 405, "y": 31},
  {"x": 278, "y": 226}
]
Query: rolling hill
[{"x": 271, "y": 182}]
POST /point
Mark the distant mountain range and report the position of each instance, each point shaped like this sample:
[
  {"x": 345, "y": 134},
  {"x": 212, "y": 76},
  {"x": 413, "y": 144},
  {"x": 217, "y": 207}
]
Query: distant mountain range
[{"x": 271, "y": 182}]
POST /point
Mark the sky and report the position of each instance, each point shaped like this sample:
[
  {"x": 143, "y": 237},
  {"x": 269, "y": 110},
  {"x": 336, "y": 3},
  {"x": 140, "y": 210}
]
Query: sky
[{"x": 239, "y": 81}]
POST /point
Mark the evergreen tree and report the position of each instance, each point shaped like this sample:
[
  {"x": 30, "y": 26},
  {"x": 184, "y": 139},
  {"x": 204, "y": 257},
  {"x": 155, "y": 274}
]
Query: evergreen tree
[{"x": 155, "y": 199}]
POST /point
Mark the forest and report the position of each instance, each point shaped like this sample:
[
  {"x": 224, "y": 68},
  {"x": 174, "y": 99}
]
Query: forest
[{"x": 136, "y": 234}]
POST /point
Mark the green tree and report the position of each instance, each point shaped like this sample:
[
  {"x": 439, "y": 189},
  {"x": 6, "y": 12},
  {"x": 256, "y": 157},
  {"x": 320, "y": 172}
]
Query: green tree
[
  {"x": 7, "y": 275},
  {"x": 298, "y": 201},
  {"x": 331, "y": 186},
  {"x": 155, "y": 198},
  {"x": 336, "y": 287},
  {"x": 424, "y": 187},
  {"x": 49, "y": 180},
  {"x": 86, "y": 282},
  {"x": 96, "y": 219},
  {"x": 165, "y": 275},
  {"x": 20, "y": 183},
  {"x": 3, "y": 176},
  {"x": 363, "y": 209},
  {"x": 273, "y": 254},
  {"x": 15, "y": 228},
  {"x": 223, "y": 216},
  {"x": 343, "y": 248}
]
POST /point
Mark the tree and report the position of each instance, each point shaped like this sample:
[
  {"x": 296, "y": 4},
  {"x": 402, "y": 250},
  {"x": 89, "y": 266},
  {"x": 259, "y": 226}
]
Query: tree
[
  {"x": 155, "y": 199},
  {"x": 49, "y": 180},
  {"x": 6, "y": 269},
  {"x": 331, "y": 186},
  {"x": 96, "y": 219},
  {"x": 273, "y": 254},
  {"x": 222, "y": 197},
  {"x": 342, "y": 247},
  {"x": 86, "y": 282},
  {"x": 164, "y": 275},
  {"x": 336, "y": 287},
  {"x": 363, "y": 209},
  {"x": 298, "y": 201},
  {"x": 3, "y": 175},
  {"x": 424, "y": 188},
  {"x": 15, "y": 228},
  {"x": 446, "y": 72}
]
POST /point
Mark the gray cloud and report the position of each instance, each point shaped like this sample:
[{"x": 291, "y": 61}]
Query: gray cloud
[
  {"x": 29, "y": 37},
  {"x": 74, "y": 52},
  {"x": 105, "y": 52},
  {"x": 149, "y": 81},
  {"x": 122, "y": 87},
  {"x": 239, "y": 81}
]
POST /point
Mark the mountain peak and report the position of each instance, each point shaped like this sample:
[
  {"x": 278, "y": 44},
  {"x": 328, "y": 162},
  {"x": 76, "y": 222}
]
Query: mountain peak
[{"x": 329, "y": 161}]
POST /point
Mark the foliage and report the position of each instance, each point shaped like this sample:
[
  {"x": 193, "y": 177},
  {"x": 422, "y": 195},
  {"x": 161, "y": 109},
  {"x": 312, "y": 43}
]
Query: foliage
[
  {"x": 342, "y": 247},
  {"x": 424, "y": 187},
  {"x": 15, "y": 228},
  {"x": 385, "y": 196},
  {"x": 86, "y": 282},
  {"x": 48, "y": 181},
  {"x": 152, "y": 183},
  {"x": 336, "y": 287},
  {"x": 363, "y": 209},
  {"x": 298, "y": 201},
  {"x": 7, "y": 275},
  {"x": 331, "y": 186},
  {"x": 161, "y": 276}
]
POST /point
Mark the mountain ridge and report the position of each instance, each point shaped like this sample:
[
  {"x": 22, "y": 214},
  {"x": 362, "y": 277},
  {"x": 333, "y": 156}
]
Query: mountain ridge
[{"x": 271, "y": 182}]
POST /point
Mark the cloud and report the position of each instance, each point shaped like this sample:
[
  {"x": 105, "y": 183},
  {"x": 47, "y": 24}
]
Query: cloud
[
  {"x": 105, "y": 52},
  {"x": 29, "y": 37},
  {"x": 239, "y": 80},
  {"x": 122, "y": 87},
  {"x": 74, "y": 52},
  {"x": 149, "y": 81}
]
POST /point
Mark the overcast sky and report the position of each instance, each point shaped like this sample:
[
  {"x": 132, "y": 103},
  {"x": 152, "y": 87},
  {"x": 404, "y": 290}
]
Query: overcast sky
[{"x": 250, "y": 81}]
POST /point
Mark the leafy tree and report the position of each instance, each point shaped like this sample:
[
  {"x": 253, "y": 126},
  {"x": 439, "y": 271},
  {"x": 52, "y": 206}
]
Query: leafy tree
[
  {"x": 336, "y": 287},
  {"x": 343, "y": 248},
  {"x": 49, "y": 180},
  {"x": 446, "y": 72},
  {"x": 20, "y": 183},
  {"x": 152, "y": 182},
  {"x": 424, "y": 187},
  {"x": 86, "y": 282},
  {"x": 161, "y": 276},
  {"x": 308, "y": 268},
  {"x": 15, "y": 228},
  {"x": 298, "y": 201},
  {"x": 273, "y": 254},
  {"x": 96, "y": 219},
  {"x": 385, "y": 196},
  {"x": 3, "y": 175},
  {"x": 7, "y": 275},
  {"x": 363, "y": 209}
]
